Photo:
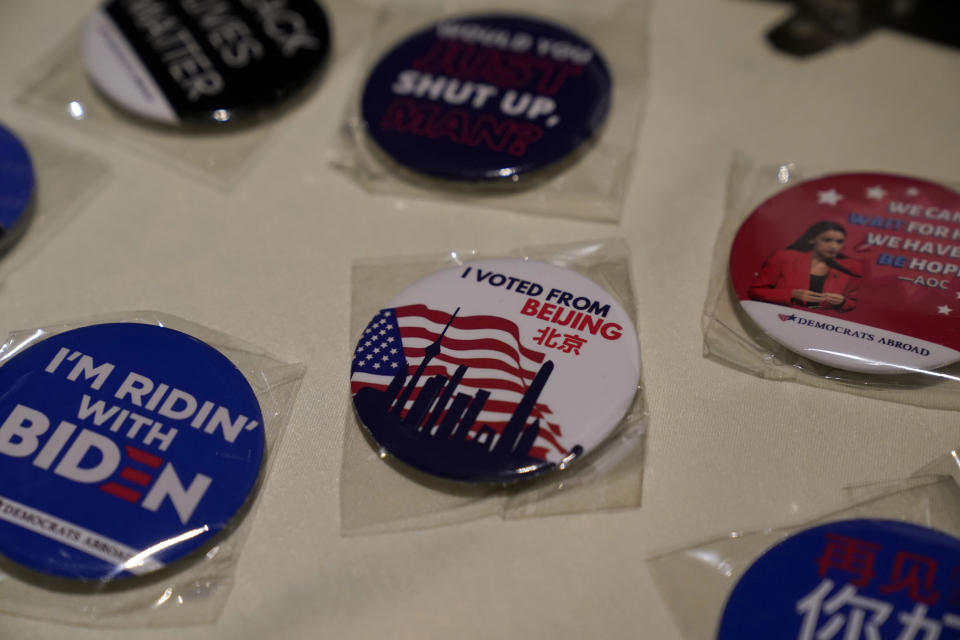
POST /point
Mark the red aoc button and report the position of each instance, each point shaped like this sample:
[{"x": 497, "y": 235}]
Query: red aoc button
[{"x": 859, "y": 271}]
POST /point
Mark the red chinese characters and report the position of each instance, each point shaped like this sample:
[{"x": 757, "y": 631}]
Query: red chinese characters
[
  {"x": 566, "y": 342},
  {"x": 911, "y": 572}
]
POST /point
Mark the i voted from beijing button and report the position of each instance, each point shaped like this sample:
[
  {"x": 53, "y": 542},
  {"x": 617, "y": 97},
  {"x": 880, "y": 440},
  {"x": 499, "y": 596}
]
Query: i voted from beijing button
[
  {"x": 123, "y": 448},
  {"x": 495, "y": 370},
  {"x": 204, "y": 61},
  {"x": 486, "y": 97},
  {"x": 850, "y": 579},
  {"x": 16, "y": 187},
  {"x": 860, "y": 271}
]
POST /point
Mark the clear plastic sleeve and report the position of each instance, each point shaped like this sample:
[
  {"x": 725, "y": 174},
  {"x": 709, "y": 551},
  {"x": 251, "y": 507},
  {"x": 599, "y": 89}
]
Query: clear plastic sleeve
[
  {"x": 734, "y": 339},
  {"x": 57, "y": 86},
  {"x": 695, "y": 582},
  {"x": 66, "y": 178},
  {"x": 590, "y": 184},
  {"x": 193, "y": 590},
  {"x": 377, "y": 496},
  {"x": 947, "y": 465}
]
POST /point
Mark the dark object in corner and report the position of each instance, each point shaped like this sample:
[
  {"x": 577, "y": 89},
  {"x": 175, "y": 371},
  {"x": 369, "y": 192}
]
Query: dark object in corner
[{"x": 818, "y": 24}]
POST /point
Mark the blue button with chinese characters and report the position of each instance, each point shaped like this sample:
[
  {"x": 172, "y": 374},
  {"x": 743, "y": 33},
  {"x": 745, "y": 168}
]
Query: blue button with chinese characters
[{"x": 850, "y": 579}]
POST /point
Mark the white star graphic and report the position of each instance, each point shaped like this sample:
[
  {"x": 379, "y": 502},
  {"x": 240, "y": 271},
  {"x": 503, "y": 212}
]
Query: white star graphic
[
  {"x": 369, "y": 356},
  {"x": 390, "y": 339},
  {"x": 377, "y": 350},
  {"x": 376, "y": 365},
  {"x": 830, "y": 197},
  {"x": 367, "y": 343},
  {"x": 386, "y": 314},
  {"x": 383, "y": 331},
  {"x": 394, "y": 365},
  {"x": 360, "y": 348},
  {"x": 876, "y": 193},
  {"x": 913, "y": 192},
  {"x": 944, "y": 309},
  {"x": 383, "y": 345},
  {"x": 394, "y": 350},
  {"x": 385, "y": 358}
]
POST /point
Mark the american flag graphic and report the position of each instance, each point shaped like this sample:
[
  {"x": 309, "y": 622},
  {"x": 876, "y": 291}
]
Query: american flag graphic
[{"x": 396, "y": 340}]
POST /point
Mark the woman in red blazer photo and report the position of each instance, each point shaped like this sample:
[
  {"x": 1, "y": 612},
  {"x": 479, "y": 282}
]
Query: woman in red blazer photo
[{"x": 811, "y": 273}]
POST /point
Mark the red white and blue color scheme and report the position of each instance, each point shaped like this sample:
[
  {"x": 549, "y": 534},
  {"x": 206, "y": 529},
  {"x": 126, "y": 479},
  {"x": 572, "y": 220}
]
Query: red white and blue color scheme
[
  {"x": 859, "y": 271},
  {"x": 471, "y": 374},
  {"x": 847, "y": 580},
  {"x": 123, "y": 448}
]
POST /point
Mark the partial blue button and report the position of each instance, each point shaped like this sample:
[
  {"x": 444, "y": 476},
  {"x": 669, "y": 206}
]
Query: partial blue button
[
  {"x": 16, "y": 187},
  {"x": 874, "y": 579}
]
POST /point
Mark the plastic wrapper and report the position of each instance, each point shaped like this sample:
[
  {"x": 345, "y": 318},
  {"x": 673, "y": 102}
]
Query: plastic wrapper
[
  {"x": 379, "y": 494},
  {"x": 590, "y": 182},
  {"x": 697, "y": 583},
  {"x": 896, "y": 242},
  {"x": 189, "y": 586},
  {"x": 65, "y": 178},
  {"x": 57, "y": 85},
  {"x": 947, "y": 464}
]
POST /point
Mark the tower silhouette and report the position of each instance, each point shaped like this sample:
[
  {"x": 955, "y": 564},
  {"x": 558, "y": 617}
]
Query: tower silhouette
[
  {"x": 434, "y": 437},
  {"x": 432, "y": 350}
]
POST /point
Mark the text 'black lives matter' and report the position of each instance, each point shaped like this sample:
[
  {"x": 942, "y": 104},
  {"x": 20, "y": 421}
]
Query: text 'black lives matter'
[{"x": 204, "y": 61}]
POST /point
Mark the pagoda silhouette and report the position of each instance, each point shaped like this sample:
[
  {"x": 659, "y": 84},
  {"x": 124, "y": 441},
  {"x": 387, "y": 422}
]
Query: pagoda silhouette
[{"x": 444, "y": 449}]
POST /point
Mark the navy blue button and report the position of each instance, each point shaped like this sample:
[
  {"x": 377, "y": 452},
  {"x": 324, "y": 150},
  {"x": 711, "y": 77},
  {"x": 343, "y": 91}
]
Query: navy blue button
[
  {"x": 123, "y": 448},
  {"x": 16, "y": 187},
  {"x": 488, "y": 97},
  {"x": 204, "y": 62}
]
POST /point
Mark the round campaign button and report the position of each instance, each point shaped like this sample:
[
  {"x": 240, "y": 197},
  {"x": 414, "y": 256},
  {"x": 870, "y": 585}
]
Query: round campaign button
[
  {"x": 198, "y": 61},
  {"x": 124, "y": 448},
  {"x": 859, "y": 271},
  {"x": 16, "y": 188},
  {"x": 495, "y": 370},
  {"x": 850, "y": 579},
  {"x": 487, "y": 97}
]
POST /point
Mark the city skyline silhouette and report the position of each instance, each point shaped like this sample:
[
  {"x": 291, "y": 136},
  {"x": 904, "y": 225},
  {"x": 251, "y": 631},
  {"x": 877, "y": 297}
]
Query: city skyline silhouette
[{"x": 434, "y": 437}]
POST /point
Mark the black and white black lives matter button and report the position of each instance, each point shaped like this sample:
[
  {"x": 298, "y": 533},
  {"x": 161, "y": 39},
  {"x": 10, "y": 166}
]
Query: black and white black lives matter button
[
  {"x": 486, "y": 98},
  {"x": 204, "y": 61},
  {"x": 124, "y": 448},
  {"x": 496, "y": 370},
  {"x": 16, "y": 188}
]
